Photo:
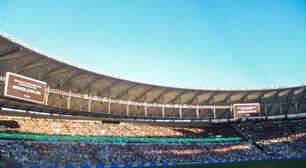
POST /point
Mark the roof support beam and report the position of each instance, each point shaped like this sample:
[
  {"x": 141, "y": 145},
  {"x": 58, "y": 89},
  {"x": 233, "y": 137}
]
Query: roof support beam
[
  {"x": 8, "y": 50},
  {"x": 33, "y": 64},
  {"x": 276, "y": 94},
  {"x": 90, "y": 83},
  {"x": 144, "y": 93},
  {"x": 114, "y": 83},
  {"x": 290, "y": 94},
  {"x": 244, "y": 98},
  {"x": 32, "y": 61},
  {"x": 72, "y": 78},
  {"x": 194, "y": 97},
  {"x": 209, "y": 98},
  {"x": 259, "y": 100},
  {"x": 227, "y": 97},
  {"x": 271, "y": 99},
  {"x": 160, "y": 95},
  {"x": 173, "y": 100},
  {"x": 260, "y": 96},
  {"x": 11, "y": 56},
  {"x": 126, "y": 91},
  {"x": 56, "y": 71}
]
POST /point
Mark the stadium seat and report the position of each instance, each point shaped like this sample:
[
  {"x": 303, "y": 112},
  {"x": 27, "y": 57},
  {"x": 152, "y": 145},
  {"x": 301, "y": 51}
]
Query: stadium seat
[
  {"x": 69, "y": 165},
  {"x": 165, "y": 163},
  {"x": 34, "y": 166},
  {"x": 173, "y": 164},
  {"x": 294, "y": 156},
  {"x": 53, "y": 166},
  {"x": 140, "y": 165},
  {"x": 85, "y": 165},
  {"x": 99, "y": 165},
  {"x": 128, "y": 165},
  {"x": 114, "y": 165},
  {"x": 153, "y": 164}
]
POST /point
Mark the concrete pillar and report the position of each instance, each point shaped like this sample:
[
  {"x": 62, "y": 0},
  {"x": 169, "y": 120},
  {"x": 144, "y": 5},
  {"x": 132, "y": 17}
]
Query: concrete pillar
[
  {"x": 214, "y": 110},
  {"x": 89, "y": 104},
  {"x": 280, "y": 107},
  {"x": 47, "y": 95},
  {"x": 198, "y": 116},
  {"x": 109, "y": 108},
  {"x": 266, "y": 111},
  {"x": 69, "y": 100},
  {"x": 127, "y": 109},
  {"x": 163, "y": 112},
  {"x": 180, "y": 110},
  {"x": 146, "y": 110}
]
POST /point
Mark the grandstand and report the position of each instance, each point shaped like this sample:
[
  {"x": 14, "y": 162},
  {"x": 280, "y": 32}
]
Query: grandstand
[
  {"x": 87, "y": 119},
  {"x": 76, "y": 91}
]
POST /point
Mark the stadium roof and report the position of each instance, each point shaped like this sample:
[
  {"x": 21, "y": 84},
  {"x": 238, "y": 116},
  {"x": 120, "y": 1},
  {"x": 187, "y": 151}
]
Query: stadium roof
[{"x": 19, "y": 57}]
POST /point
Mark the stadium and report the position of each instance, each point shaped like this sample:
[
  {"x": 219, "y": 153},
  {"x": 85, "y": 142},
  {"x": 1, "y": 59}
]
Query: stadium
[
  {"x": 149, "y": 84},
  {"x": 54, "y": 114}
]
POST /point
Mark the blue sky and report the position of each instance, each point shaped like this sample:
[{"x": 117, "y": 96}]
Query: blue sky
[{"x": 194, "y": 43}]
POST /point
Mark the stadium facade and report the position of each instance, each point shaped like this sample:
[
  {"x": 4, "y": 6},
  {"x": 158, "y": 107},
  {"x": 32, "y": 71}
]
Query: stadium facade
[{"x": 72, "y": 90}]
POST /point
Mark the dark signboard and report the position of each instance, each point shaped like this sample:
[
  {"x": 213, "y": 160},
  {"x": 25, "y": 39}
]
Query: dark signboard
[
  {"x": 24, "y": 88},
  {"x": 246, "y": 110}
]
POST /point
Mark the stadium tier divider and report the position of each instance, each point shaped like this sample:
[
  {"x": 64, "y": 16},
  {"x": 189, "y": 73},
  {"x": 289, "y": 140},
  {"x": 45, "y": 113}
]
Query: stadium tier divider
[{"x": 112, "y": 139}]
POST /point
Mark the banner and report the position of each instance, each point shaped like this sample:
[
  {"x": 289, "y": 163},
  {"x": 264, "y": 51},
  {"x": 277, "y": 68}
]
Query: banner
[
  {"x": 24, "y": 88},
  {"x": 246, "y": 110}
]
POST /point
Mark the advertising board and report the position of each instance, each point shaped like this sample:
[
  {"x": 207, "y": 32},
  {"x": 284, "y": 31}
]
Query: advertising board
[
  {"x": 246, "y": 109},
  {"x": 24, "y": 88}
]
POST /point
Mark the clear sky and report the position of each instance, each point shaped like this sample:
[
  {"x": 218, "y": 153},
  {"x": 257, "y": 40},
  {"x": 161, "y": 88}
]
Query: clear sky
[{"x": 184, "y": 43}]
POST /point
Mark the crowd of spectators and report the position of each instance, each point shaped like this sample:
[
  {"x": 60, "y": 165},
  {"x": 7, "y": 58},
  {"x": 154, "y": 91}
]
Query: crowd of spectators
[
  {"x": 51, "y": 126},
  {"x": 76, "y": 153},
  {"x": 263, "y": 139},
  {"x": 279, "y": 137},
  {"x": 197, "y": 152}
]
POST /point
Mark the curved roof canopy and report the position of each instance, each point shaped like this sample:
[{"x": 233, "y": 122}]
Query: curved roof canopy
[{"x": 20, "y": 58}]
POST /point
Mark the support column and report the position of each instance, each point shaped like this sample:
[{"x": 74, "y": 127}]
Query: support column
[
  {"x": 69, "y": 100},
  {"x": 127, "y": 109},
  {"x": 89, "y": 104},
  {"x": 231, "y": 110},
  {"x": 180, "y": 110},
  {"x": 47, "y": 96},
  {"x": 280, "y": 107},
  {"x": 146, "y": 110},
  {"x": 163, "y": 111},
  {"x": 266, "y": 111},
  {"x": 198, "y": 116},
  {"x": 109, "y": 108},
  {"x": 214, "y": 109},
  {"x": 296, "y": 107}
]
